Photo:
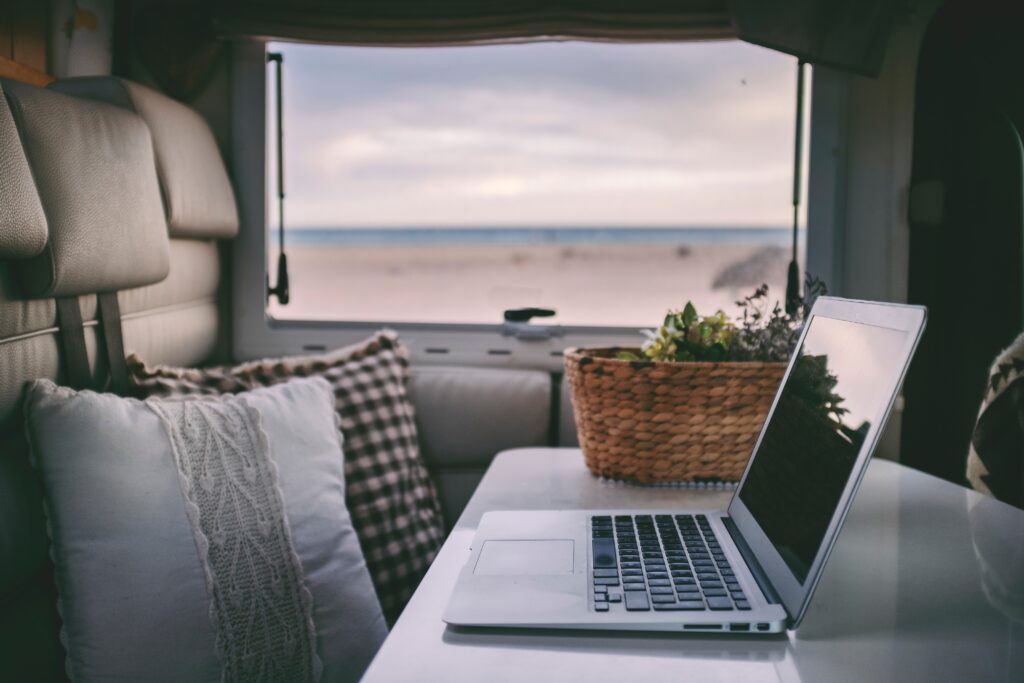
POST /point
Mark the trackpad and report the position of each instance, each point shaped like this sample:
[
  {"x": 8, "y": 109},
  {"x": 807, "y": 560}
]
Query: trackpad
[{"x": 532, "y": 558}]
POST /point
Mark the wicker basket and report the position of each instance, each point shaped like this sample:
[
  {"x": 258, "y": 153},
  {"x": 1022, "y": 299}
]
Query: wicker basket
[{"x": 652, "y": 421}]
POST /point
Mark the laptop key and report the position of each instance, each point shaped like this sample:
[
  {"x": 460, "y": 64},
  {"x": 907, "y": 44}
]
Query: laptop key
[
  {"x": 605, "y": 573},
  {"x": 634, "y": 588},
  {"x": 715, "y": 593},
  {"x": 684, "y": 606},
  {"x": 615, "y": 597},
  {"x": 600, "y": 597},
  {"x": 632, "y": 572},
  {"x": 719, "y": 603},
  {"x": 604, "y": 553},
  {"x": 661, "y": 590},
  {"x": 600, "y": 589},
  {"x": 743, "y": 605},
  {"x": 659, "y": 582},
  {"x": 637, "y": 601},
  {"x": 663, "y": 599},
  {"x": 601, "y": 606},
  {"x": 606, "y": 582}
]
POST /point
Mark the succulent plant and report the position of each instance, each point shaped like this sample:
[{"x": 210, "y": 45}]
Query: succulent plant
[{"x": 763, "y": 331}]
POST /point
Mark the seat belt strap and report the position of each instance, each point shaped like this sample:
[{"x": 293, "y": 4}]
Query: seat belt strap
[
  {"x": 72, "y": 335},
  {"x": 110, "y": 320}
]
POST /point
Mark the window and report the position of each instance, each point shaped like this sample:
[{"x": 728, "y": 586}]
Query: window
[{"x": 608, "y": 182}]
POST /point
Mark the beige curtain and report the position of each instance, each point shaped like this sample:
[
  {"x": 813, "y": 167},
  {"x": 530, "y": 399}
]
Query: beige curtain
[
  {"x": 422, "y": 22},
  {"x": 844, "y": 34}
]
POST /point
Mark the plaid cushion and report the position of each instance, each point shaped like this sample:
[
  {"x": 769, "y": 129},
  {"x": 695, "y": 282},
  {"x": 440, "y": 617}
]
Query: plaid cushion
[{"x": 392, "y": 500}]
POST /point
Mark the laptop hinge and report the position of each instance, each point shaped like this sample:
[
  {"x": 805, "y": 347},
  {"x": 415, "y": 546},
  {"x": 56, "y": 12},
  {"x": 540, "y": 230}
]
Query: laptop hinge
[{"x": 755, "y": 569}]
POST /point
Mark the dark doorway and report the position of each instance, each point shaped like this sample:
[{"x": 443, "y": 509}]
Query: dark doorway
[{"x": 966, "y": 225}]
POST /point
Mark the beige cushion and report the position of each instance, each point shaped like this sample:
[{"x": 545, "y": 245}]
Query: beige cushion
[
  {"x": 466, "y": 416},
  {"x": 22, "y": 222},
  {"x": 94, "y": 170},
  {"x": 196, "y": 188}
]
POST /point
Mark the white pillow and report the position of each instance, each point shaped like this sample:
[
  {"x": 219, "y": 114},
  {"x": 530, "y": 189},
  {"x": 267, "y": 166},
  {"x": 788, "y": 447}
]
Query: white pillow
[{"x": 203, "y": 539}]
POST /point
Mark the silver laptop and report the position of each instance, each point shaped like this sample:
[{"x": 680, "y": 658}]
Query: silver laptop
[{"x": 751, "y": 568}]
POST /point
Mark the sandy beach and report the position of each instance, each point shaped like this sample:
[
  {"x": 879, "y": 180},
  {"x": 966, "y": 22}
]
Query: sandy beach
[{"x": 593, "y": 284}]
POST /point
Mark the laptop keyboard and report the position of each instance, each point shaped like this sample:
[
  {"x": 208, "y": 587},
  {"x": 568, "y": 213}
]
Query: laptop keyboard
[{"x": 661, "y": 562}]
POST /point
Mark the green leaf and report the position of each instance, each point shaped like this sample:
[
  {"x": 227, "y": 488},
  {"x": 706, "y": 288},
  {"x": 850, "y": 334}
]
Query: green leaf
[
  {"x": 627, "y": 355},
  {"x": 689, "y": 314}
]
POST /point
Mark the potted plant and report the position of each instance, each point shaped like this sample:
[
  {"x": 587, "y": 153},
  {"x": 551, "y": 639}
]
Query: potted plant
[{"x": 689, "y": 403}]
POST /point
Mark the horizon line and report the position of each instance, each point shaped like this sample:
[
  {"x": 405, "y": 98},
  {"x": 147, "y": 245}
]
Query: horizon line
[{"x": 513, "y": 226}]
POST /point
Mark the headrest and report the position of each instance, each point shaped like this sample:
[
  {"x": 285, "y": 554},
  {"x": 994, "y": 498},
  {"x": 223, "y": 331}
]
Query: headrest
[
  {"x": 196, "y": 188},
  {"x": 94, "y": 171},
  {"x": 22, "y": 221}
]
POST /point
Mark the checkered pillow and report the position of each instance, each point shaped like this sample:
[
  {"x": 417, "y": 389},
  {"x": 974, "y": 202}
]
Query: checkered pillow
[{"x": 392, "y": 500}]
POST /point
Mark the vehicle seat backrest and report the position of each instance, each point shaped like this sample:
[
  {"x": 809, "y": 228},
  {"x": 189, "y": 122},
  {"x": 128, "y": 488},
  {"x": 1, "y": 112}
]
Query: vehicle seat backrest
[
  {"x": 196, "y": 189},
  {"x": 84, "y": 210}
]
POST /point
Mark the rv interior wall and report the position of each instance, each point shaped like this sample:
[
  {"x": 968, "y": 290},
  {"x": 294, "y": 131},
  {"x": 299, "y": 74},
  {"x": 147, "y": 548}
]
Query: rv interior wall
[
  {"x": 861, "y": 149},
  {"x": 23, "y": 40},
  {"x": 81, "y": 35}
]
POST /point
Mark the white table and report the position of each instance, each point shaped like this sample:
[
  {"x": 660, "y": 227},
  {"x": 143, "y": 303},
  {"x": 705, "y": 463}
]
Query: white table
[{"x": 926, "y": 583}]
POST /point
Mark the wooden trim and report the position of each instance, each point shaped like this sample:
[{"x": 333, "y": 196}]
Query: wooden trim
[{"x": 20, "y": 72}]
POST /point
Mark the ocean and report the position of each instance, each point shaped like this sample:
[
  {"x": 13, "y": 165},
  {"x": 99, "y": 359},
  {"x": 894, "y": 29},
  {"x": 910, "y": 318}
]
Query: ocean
[{"x": 537, "y": 236}]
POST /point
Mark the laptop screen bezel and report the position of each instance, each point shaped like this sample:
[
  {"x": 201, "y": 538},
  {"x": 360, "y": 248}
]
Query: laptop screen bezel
[{"x": 794, "y": 595}]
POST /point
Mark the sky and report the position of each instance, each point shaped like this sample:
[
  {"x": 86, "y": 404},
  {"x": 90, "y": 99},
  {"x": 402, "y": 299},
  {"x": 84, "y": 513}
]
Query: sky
[{"x": 539, "y": 134}]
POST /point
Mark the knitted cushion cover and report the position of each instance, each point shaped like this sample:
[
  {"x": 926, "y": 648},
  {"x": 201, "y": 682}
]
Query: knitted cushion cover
[{"x": 390, "y": 495}]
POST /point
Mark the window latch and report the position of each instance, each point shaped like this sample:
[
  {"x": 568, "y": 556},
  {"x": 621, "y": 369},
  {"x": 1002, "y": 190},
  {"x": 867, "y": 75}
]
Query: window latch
[{"x": 517, "y": 324}]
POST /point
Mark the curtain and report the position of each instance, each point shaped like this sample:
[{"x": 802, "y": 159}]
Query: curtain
[{"x": 420, "y": 22}]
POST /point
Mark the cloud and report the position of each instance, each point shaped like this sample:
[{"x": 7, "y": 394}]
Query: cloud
[{"x": 538, "y": 134}]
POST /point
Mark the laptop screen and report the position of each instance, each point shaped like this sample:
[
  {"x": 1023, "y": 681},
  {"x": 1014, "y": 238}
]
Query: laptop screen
[{"x": 841, "y": 380}]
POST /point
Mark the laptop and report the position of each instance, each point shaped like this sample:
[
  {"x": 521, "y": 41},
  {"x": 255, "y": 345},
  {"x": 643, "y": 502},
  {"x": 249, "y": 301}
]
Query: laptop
[{"x": 751, "y": 568}]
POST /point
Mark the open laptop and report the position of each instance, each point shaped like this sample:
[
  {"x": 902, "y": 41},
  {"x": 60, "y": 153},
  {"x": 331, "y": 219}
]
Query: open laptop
[{"x": 751, "y": 568}]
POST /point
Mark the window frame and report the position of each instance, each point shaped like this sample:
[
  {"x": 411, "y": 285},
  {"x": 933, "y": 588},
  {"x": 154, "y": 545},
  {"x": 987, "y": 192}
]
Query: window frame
[{"x": 256, "y": 334}]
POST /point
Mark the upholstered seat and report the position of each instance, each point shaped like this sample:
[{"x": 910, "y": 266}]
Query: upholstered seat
[
  {"x": 83, "y": 212},
  {"x": 106, "y": 185}
]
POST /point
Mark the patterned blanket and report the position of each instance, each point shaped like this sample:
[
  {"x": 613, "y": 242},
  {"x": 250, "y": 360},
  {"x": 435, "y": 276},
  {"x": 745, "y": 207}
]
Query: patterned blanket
[{"x": 995, "y": 464}]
